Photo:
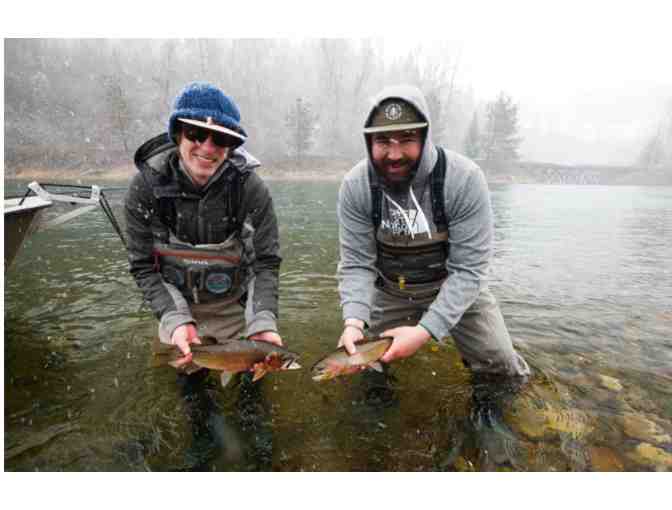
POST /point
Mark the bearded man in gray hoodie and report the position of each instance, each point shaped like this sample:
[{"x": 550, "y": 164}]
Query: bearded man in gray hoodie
[{"x": 416, "y": 235}]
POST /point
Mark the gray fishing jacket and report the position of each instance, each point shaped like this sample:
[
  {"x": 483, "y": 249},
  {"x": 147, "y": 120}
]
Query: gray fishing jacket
[
  {"x": 200, "y": 217},
  {"x": 470, "y": 228}
]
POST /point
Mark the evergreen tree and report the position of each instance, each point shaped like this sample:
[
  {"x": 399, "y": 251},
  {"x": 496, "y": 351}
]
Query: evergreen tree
[
  {"x": 301, "y": 124},
  {"x": 658, "y": 148},
  {"x": 652, "y": 153},
  {"x": 472, "y": 146},
  {"x": 500, "y": 142}
]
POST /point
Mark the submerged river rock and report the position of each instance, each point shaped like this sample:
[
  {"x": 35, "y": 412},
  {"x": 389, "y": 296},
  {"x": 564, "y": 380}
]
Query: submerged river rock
[
  {"x": 639, "y": 427},
  {"x": 611, "y": 383},
  {"x": 604, "y": 459},
  {"x": 539, "y": 423},
  {"x": 652, "y": 456}
]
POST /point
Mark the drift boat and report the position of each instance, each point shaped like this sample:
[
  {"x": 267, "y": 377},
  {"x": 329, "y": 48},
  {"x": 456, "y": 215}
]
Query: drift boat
[{"x": 22, "y": 214}]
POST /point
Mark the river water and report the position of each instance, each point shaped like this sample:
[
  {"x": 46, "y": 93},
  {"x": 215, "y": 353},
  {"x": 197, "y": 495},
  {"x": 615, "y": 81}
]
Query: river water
[{"x": 583, "y": 275}]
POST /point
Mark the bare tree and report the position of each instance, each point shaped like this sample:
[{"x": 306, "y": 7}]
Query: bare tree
[
  {"x": 117, "y": 103},
  {"x": 83, "y": 102},
  {"x": 332, "y": 58},
  {"x": 436, "y": 77},
  {"x": 164, "y": 80}
]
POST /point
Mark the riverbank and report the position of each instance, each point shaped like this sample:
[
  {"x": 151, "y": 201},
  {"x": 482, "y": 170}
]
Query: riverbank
[
  {"x": 331, "y": 170},
  {"x": 284, "y": 171},
  {"x": 113, "y": 174}
]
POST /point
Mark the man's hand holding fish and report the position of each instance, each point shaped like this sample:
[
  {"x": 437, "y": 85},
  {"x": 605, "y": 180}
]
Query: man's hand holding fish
[
  {"x": 183, "y": 336},
  {"x": 353, "y": 331},
  {"x": 407, "y": 341},
  {"x": 265, "y": 336}
]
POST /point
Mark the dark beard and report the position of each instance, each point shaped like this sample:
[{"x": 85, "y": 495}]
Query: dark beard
[{"x": 396, "y": 185}]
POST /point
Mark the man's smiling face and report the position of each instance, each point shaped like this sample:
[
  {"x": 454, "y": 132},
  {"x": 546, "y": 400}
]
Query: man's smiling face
[
  {"x": 395, "y": 153},
  {"x": 201, "y": 159}
]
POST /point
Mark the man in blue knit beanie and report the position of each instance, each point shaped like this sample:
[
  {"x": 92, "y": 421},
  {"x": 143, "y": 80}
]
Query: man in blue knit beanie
[{"x": 203, "y": 234}]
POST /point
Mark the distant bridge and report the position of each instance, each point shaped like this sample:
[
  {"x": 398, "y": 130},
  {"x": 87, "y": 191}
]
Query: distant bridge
[
  {"x": 551, "y": 173},
  {"x": 569, "y": 175}
]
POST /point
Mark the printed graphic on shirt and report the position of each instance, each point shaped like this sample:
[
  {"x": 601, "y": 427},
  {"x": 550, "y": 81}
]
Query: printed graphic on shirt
[{"x": 398, "y": 226}]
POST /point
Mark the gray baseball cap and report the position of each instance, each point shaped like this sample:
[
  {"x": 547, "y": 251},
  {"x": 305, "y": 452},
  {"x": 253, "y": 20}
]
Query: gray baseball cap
[{"x": 394, "y": 115}]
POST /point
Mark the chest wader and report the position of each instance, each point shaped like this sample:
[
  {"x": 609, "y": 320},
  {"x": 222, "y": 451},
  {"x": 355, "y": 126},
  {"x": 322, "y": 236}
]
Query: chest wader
[
  {"x": 413, "y": 267},
  {"x": 203, "y": 273}
]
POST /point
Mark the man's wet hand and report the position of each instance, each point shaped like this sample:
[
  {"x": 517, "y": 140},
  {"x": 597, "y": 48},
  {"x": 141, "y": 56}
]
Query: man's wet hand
[
  {"x": 267, "y": 336},
  {"x": 407, "y": 340},
  {"x": 352, "y": 332},
  {"x": 183, "y": 336}
]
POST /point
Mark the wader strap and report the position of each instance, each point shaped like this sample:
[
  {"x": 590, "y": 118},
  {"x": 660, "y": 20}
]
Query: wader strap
[
  {"x": 438, "y": 203},
  {"x": 376, "y": 200},
  {"x": 165, "y": 191},
  {"x": 167, "y": 214},
  {"x": 234, "y": 184}
]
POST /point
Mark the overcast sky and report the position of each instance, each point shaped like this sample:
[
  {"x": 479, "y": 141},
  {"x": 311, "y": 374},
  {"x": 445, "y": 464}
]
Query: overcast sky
[
  {"x": 600, "y": 76},
  {"x": 594, "y": 78},
  {"x": 586, "y": 69}
]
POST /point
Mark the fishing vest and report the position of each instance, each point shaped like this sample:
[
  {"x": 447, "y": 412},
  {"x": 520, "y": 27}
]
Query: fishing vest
[
  {"x": 202, "y": 272},
  {"x": 407, "y": 266}
]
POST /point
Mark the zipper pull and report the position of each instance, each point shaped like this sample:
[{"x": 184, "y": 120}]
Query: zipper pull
[
  {"x": 194, "y": 292},
  {"x": 402, "y": 282}
]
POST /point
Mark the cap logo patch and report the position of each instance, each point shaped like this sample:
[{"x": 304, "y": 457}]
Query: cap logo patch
[{"x": 393, "y": 111}]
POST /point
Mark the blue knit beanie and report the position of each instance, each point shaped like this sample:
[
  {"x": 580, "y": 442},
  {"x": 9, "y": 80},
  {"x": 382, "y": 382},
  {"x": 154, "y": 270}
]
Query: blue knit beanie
[{"x": 200, "y": 100}]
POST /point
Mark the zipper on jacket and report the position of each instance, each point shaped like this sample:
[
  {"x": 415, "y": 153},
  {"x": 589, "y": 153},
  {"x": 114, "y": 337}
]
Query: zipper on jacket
[{"x": 201, "y": 222}]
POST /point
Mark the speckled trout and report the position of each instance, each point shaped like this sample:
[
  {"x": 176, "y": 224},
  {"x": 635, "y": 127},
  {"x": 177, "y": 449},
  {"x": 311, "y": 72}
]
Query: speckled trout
[
  {"x": 230, "y": 357},
  {"x": 339, "y": 362}
]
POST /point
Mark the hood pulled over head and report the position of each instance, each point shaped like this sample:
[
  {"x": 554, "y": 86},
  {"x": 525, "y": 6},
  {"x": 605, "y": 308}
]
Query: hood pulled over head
[{"x": 398, "y": 108}]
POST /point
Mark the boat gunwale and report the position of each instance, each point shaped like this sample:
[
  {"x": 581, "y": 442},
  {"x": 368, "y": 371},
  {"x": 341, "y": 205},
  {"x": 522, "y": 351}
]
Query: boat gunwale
[{"x": 31, "y": 204}]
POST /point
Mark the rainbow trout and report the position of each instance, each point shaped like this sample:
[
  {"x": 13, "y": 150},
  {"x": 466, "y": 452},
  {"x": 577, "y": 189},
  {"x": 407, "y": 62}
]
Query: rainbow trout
[
  {"x": 339, "y": 362},
  {"x": 230, "y": 357}
]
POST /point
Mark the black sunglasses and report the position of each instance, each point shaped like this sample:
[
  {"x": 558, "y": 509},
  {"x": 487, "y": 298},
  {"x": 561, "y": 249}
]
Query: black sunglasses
[{"x": 200, "y": 135}]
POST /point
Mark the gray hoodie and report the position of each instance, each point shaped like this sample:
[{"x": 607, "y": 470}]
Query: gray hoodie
[{"x": 470, "y": 226}]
